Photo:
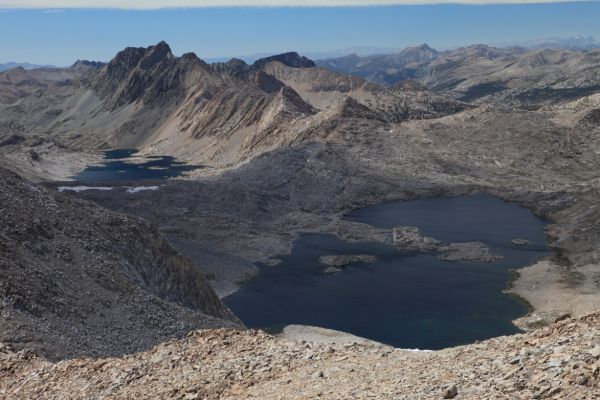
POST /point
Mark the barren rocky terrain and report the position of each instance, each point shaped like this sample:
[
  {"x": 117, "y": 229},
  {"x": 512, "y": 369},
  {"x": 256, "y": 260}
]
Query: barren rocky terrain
[
  {"x": 560, "y": 362},
  {"x": 287, "y": 147},
  {"x": 78, "y": 280}
]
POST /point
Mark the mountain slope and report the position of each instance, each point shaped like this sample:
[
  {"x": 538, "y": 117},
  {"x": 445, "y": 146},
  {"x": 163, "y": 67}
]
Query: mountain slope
[{"x": 78, "y": 280}]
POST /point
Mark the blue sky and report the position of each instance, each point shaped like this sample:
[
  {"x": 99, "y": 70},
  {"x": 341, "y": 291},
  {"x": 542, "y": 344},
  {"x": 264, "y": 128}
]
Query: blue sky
[{"x": 61, "y": 36}]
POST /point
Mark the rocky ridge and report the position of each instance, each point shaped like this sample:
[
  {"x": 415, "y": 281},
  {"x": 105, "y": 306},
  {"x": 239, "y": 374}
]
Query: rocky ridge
[{"x": 559, "y": 362}]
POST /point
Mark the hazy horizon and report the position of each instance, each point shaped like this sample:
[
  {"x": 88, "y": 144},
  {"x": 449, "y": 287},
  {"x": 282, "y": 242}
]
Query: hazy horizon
[{"x": 62, "y": 36}]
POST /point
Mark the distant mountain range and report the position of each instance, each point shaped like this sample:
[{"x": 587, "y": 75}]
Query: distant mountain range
[
  {"x": 362, "y": 51},
  {"x": 384, "y": 68},
  {"x": 477, "y": 70},
  {"x": 570, "y": 43},
  {"x": 27, "y": 66},
  {"x": 578, "y": 42}
]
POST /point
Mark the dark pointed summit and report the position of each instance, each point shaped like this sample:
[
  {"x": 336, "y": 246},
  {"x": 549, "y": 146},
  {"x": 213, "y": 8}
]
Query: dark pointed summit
[
  {"x": 291, "y": 59},
  {"x": 130, "y": 57},
  {"x": 127, "y": 58},
  {"x": 155, "y": 54}
]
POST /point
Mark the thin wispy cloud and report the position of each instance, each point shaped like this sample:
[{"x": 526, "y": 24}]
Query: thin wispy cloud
[{"x": 156, "y": 4}]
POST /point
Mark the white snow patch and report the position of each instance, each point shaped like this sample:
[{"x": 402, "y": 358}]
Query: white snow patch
[
  {"x": 83, "y": 188},
  {"x": 417, "y": 350},
  {"x": 141, "y": 189}
]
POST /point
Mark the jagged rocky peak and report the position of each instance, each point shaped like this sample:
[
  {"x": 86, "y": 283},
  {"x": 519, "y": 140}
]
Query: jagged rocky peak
[
  {"x": 87, "y": 64},
  {"x": 155, "y": 54},
  {"x": 153, "y": 75},
  {"x": 291, "y": 59},
  {"x": 145, "y": 57},
  {"x": 127, "y": 58}
]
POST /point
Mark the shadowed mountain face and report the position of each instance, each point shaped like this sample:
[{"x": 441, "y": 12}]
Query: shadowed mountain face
[
  {"x": 78, "y": 280},
  {"x": 291, "y": 59},
  {"x": 479, "y": 73}
]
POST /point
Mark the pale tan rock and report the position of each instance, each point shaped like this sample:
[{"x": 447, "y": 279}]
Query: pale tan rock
[{"x": 232, "y": 364}]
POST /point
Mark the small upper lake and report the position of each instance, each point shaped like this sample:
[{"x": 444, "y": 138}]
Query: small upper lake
[
  {"x": 408, "y": 300},
  {"x": 123, "y": 165}
]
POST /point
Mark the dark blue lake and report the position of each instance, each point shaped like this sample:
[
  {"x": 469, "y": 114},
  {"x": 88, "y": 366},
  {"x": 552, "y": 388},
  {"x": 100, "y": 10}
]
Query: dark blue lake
[
  {"x": 120, "y": 165},
  {"x": 405, "y": 300}
]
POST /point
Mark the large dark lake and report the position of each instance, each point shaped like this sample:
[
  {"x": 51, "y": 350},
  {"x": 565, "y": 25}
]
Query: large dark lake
[
  {"x": 405, "y": 300},
  {"x": 121, "y": 165}
]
